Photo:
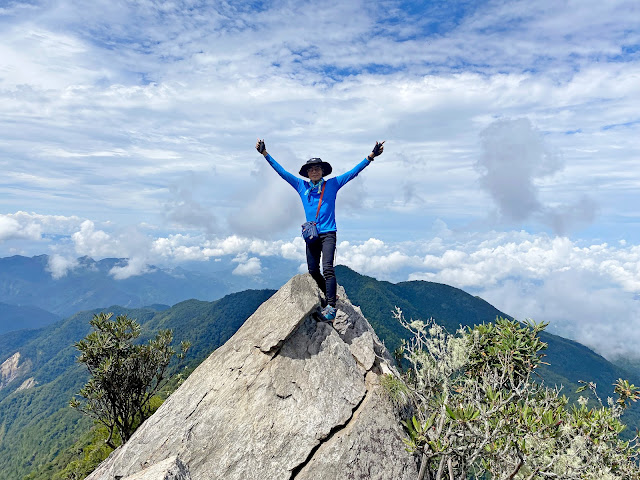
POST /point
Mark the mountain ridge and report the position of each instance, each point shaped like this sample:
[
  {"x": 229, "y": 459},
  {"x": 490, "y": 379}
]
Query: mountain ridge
[
  {"x": 569, "y": 360},
  {"x": 19, "y": 317},
  {"x": 38, "y": 421},
  {"x": 208, "y": 324}
]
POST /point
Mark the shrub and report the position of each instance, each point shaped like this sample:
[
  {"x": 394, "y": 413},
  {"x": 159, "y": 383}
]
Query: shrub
[
  {"x": 479, "y": 414},
  {"x": 124, "y": 375}
]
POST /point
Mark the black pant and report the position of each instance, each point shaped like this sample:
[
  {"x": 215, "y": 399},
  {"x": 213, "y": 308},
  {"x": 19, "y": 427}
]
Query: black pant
[{"x": 325, "y": 246}]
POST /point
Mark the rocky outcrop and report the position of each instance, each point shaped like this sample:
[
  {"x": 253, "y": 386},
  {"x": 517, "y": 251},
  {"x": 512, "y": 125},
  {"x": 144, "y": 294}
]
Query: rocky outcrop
[
  {"x": 11, "y": 369},
  {"x": 170, "y": 469},
  {"x": 287, "y": 397},
  {"x": 27, "y": 384}
]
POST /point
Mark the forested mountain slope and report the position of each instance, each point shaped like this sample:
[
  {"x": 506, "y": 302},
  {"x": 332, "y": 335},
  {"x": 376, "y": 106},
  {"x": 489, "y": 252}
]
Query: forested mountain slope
[
  {"x": 36, "y": 423},
  {"x": 451, "y": 307}
]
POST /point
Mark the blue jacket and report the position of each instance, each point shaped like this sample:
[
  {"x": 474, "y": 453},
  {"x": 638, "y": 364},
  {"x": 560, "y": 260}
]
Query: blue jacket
[{"x": 326, "y": 221}]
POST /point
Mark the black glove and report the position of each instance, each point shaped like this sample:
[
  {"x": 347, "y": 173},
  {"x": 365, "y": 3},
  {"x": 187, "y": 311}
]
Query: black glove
[
  {"x": 377, "y": 150},
  {"x": 260, "y": 146}
]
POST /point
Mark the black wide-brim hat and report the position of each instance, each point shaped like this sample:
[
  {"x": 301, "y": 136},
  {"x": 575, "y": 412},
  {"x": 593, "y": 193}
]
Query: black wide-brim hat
[{"x": 326, "y": 168}]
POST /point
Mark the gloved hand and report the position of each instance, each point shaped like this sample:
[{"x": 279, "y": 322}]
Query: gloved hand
[
  {"x": 378, "y": 149},
  {"x": 261, "y": 147}
]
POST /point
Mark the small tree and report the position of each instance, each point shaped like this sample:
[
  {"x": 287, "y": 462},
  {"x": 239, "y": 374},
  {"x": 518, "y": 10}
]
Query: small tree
[
  {"x": 478, "y": 414},
  {"x": 124, "y": 375}
]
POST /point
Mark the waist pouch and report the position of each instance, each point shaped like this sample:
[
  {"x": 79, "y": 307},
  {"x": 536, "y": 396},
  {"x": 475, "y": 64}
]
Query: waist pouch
[
  {"x": 310, "y": 232},
  {"x": 309, "y": 229}
]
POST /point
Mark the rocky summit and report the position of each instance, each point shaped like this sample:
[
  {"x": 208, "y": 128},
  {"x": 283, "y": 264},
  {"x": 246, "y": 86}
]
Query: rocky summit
[{"x": 287, "y": 397}]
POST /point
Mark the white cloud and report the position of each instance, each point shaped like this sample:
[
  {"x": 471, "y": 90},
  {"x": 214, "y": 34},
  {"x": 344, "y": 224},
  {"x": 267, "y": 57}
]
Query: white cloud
[
  {"x": 180, "y": 247},
  {"x": 146, "y": 112},
  {"x": 534, "y": 258},
  {"x": 135, "y": 266},
  {"x": 10, "y": 228},
  {"x": 129, "y": 111},
  {"x": 248, "y": 266},
  {"x": 514, "y": 158},
  {"x": 294, "y": 250},
  {"x": 578, "y": 306},
  {"x": 94, "y": 243},
  {"x": 580, "y": 288},
  {"x": 374, "y": 257},
  {"x": 49, "y": 224},
  {"x": 269, "y": 204},
  {"x": 184, "y": 209},
  {"x": 59, "y": 265}
]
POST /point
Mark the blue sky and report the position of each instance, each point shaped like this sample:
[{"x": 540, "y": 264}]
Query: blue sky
[{"x": 511, "y": 158}]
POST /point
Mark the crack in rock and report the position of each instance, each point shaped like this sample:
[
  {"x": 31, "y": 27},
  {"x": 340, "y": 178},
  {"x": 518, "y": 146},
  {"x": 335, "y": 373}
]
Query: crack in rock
[
  {"x": 335, "y": 430},
  {"x": 197, "y": 405}
]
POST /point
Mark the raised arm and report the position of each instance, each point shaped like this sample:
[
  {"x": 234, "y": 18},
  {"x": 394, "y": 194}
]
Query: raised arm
[
  {"x": 353, "y": 173},
  {"x": 289, "y": 177}
]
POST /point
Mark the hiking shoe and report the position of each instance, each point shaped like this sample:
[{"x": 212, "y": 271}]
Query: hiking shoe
[{"x": 329, "y": 312}]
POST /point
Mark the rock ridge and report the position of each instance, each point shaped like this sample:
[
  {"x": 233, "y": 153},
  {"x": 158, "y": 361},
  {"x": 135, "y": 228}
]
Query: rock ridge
[{"x": 287, "y": 397}]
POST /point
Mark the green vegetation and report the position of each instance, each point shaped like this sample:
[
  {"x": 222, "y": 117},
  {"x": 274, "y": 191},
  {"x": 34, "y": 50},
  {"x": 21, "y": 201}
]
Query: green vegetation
[
  {"x": 82, "y": 458},
  {"x": 37, "y": 425},
  {"x": 478, "y": 414},
  {"x": 566, "y": 362},
  {"x": 124, "y": 375}
]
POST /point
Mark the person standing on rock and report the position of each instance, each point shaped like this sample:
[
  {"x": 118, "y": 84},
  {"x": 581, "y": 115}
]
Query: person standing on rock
[{"x": 318, "y": 197}]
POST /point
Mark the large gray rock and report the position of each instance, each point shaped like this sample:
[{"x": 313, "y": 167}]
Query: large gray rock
[
  {"x": 170, "y": 469},
  {"x": 286, "y": 397}
]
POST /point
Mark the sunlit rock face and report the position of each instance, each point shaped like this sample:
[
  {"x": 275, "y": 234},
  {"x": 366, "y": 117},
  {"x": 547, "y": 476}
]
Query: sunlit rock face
[
  {"x": 12, "y": 368},
  {"x": 286, "y": 397}
]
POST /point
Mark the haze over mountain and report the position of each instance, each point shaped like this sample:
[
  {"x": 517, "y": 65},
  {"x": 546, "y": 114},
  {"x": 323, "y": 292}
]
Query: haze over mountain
[
  {"x": 15, "y": 317},
  {"x": 35, "y": 282}
]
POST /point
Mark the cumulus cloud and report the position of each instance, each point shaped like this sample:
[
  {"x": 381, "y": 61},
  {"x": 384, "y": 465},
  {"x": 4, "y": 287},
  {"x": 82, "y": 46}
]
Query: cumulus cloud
[
  {"x": 59, "y": 265},
  {"x": 514, "y": 159},
  {"x": 247, "y": 266},
  {"x": 128, "y": 243},
  {"x": 182, "y": 247},
  {"x": 10, "y": 229},
  {"x": 135, "y": 266},
  {"x": 578, "y": 305},
  {"x": 514, "y": 156},
  {"x": 94, "y": 243},
  {"x": 24, "y": 227},
  {"x": 374, "y": 257},
  {"x": 49, "y": 224},
  {"x": 587, "y": 291}
]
